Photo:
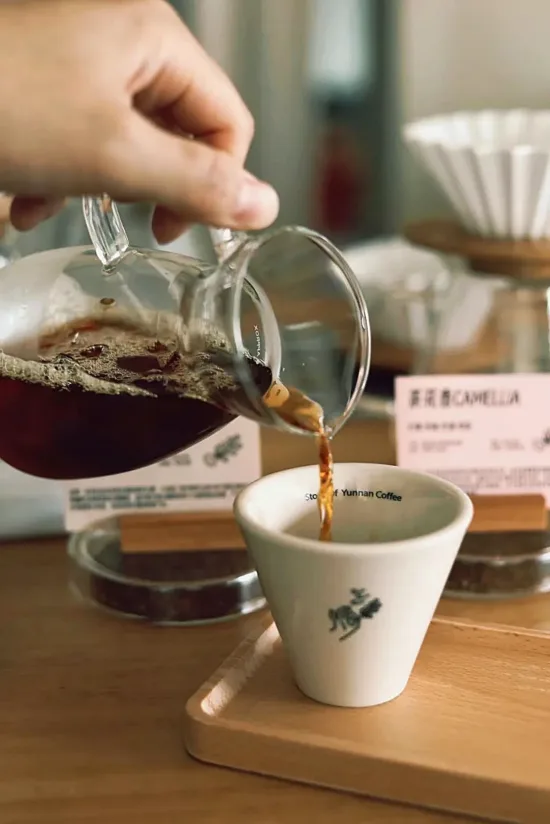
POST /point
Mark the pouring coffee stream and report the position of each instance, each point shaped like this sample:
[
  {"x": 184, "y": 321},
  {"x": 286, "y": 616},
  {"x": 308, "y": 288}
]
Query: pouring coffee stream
[
  {"x": 301, "y": 411},
  {"x": 112, "y": 358},
  {"x": 297, "y": 409}
]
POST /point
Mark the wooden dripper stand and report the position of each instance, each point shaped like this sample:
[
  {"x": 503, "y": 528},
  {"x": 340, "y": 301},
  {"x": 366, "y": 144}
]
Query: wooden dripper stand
[{"x": 524, "y": 266}]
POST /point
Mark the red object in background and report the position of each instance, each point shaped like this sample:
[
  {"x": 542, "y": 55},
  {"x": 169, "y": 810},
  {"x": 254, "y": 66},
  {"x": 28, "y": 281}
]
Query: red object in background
[{"x": 339, "y": 182}]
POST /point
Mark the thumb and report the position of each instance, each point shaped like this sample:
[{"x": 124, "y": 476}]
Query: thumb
[{"x": 194, "y": 182}]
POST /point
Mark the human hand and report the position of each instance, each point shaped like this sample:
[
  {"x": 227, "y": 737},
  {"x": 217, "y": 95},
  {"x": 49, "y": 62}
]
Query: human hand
[{"x": 103, "y": 91}]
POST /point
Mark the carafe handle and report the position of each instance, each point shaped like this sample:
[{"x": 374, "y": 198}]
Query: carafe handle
[
  {"x": 106, "y": 229},
  {"x": 111, "y": 242}
]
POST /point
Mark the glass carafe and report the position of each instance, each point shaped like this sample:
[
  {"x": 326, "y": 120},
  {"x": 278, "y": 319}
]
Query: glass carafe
[{"x": 114, "y": 357}]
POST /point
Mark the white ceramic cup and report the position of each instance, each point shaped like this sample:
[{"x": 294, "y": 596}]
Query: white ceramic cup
[{"x": 353, "y": 613}]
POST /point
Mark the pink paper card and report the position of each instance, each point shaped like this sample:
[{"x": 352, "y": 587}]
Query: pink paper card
[{"x": 488, "y": 434}]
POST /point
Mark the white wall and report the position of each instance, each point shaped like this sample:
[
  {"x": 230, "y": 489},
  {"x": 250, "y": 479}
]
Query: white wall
[{"x": 457, "y": 54}]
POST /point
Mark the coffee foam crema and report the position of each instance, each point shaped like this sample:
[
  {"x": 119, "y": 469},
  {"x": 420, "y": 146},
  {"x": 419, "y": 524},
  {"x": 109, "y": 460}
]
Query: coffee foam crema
[
  {"x": 61, "y": 376},
  {"x": 122, "y": 332}
]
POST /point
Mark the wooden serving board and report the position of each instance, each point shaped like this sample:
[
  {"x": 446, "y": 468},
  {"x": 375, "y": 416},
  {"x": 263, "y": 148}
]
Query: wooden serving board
[{"x": 470, "y": 734}]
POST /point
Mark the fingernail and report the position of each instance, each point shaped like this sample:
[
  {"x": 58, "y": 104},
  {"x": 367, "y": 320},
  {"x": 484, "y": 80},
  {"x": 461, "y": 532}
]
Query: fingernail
[{"x": 257, "y": 203}]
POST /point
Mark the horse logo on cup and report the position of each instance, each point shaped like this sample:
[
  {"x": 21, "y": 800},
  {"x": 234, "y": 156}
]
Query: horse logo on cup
[{"x": 349, "y": 617}]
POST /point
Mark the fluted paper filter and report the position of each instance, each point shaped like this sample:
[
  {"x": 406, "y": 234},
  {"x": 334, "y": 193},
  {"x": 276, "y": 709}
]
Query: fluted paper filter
[{"x": 493, "y": 166}]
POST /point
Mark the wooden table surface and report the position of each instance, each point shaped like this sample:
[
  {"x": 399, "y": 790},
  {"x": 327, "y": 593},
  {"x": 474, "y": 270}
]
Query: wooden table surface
[{"x": 91, "y": 705}]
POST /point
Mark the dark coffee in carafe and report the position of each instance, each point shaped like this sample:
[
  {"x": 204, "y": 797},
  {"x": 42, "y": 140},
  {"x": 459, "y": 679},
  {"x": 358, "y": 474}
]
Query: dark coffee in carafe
[{"x": 106, "y": 398}]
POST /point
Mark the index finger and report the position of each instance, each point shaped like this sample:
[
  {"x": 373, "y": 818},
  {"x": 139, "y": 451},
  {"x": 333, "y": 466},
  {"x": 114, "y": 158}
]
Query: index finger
[{"x": 190, "y": 93}]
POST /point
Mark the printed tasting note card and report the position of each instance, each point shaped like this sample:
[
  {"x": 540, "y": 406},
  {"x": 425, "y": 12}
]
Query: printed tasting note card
[
  {"x": 207, "y": 476},
  {"x": 488, "y": 434}
]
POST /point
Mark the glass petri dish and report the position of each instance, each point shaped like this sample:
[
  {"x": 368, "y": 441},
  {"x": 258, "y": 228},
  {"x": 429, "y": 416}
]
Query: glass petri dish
[
  {"x": 167, "y": 588},
  {"x": 501, "y": 565}
]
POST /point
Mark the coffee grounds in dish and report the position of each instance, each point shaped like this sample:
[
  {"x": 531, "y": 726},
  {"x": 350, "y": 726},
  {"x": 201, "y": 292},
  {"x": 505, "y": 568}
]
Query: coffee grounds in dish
[{"x": 501, "y": 564}]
